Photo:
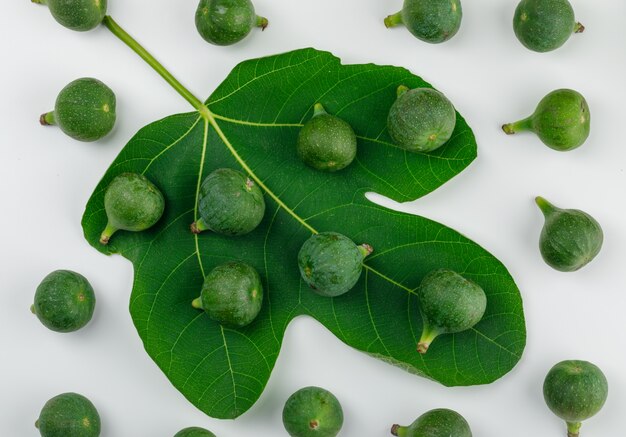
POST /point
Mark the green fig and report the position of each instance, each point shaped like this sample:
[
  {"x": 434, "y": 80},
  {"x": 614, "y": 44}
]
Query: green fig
[
  {"x": 575, "y": 391},
  {"x": 230, "y": 204},
  {"x": 545, "y": 25},
  {"x": 449, "y": 304},
  {"x": 331, "y": 263},
  {"x": 435, "y": 423},
  {"x": 562, "y": 121},
  {"x": 64, "y": 301},
  {"x": 69, "y": 415},
  {"x": 421, "y": 119},
  {"x": 570, "y": 238},
  {"x": 232, "y": 294},
  {"x": 313, "y": 412},
  {"x": 84, "y": 110},
  {"x": 432, "y": 21},
  {"x": 194, "y": 432},
  {"x": 226, "y": 22},
  {"x": 79, "y": 15},
  {"x": 326, "y": 142},
  {"x": 132, "y": 203}
]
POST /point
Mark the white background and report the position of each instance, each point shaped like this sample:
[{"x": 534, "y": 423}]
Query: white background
[{"x": 46, "y": 179}]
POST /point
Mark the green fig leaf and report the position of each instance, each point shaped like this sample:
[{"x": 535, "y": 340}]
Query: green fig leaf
[{"x": 257, "y": 114}]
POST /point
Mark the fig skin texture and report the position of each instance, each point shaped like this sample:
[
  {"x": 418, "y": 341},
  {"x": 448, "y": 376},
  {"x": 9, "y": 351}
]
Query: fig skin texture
[
  {"x": 435, "y": 423},
  {"x": 78, "y": 15},
  {"x": 570, "y": 238},
  {"x": 432, "y": 21},
  {"x": 312, "y": 412},
  {"x": 562, "y": 121},
  {"x": 69, "y": 415},
  {"x": 232, "y": 294},
  {"x": 545, "y": 25},
  {"x": 575, "y": 391},
  {"x": 132, "y": 203},
  {"x": 326, "y": 142},
  {"x": 449, "y": 304},
  {"x": 194, "y": 432},
  {"x": 64, "y": 301},
  {"x": 421, "y": 119},
  {"x": 230, "y": 204},
  {"x": 226, "y": 22},
  {"x": 84, "y": 110},
  {"x": 331, "y": 263}
]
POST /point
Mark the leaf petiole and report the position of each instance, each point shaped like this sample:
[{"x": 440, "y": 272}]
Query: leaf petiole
[{"x": 116, "y": 30}]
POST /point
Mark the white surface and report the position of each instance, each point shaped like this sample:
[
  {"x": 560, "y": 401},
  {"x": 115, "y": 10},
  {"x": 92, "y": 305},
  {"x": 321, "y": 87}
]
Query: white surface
[{"x": 46, "y": 179}]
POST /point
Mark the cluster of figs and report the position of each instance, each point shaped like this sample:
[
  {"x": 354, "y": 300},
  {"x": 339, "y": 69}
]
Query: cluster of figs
[{"x": 232, "y": 204}]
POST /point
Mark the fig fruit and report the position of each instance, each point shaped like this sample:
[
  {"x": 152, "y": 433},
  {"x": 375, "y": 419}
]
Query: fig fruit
[
  {"x": 232, "y": 294},
  {"x": 84, "y": 110},
  {"x": 562, "y": 121},
  {"x": 575, "y": 391},
  {"x": 449, "y": 304},
  {"x": 432, "y": 21},
  {"x": 194, "y": 432},
  {"x": 435, "y": 423},
  {"x": 313, "y": 412},
  {"x": 226, "y": 22},
  {"x": 421, "y": 119},
  {"x": 79, "y": 15},
  {"x": 570, "y": 238},
  {"x": 69, "y": 415},
  {"x": 326, "y": 142},
  {"x": 64, "y": 301}
]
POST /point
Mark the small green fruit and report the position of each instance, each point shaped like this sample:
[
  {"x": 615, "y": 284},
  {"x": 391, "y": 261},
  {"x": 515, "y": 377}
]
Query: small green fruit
[
  {"x": 326, "y": 142},
  {"x": 575, "y": 391},
  {"x": 433, "y": 21},
  {"x": 64, "y": 301},
  {"x": 562, "y": 121},
  {"x": 79, "y": 15},
  {"x": 230, "y": 204},
  {"x": 226, "y": 22},
  {"x": 69, "y": 415},
  {"x": 194, "y": 432},
  {"x": 331, "y": 264},
  {"x": 435, "y": 423},
  {"x": 232, "y": 294},
  {"x": 570, "y": 238},
  {"x": 545, "y": 25},
  {"x": 313, "y": 412},
  {"x": 449, "y": 304},
  {"x": 84, "y": 110},
  {"x": 421, "y": 120},
  {"x": 132, "y": 203}
]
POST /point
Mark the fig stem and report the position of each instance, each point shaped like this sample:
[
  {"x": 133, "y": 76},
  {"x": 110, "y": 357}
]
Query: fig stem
[
  {"x": 47, "y": 119},
  {"x": 40, "y": 2},
  {"x": 394, "y": 20},
  {"x": 318, "y": 109},
  {"x": 545, "y": 206},
  {"x": 156, "y": 65},
  {"x": 518, "y": 126},
  {"x": 573, "y": 429},
  {"x": 366, "y": 250},
  {"x": 198, "y": 226},
  {"x": 197, "y": 303},
  {"x": 107, "y": 234},
  {"x": 262, "y": 22},
  {"x": 401, "y": 90},
  {"x": 579, "y": 28},
  {"x": 32, "y": 309},
  {"x": 428, "y": 336}
]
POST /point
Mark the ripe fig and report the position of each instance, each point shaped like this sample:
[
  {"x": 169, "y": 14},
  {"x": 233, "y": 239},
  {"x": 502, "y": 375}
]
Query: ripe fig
[
  {"x": 570, "y": 238},
  {"x": 562, "y": 121},
  {"x": 575, "y": 391},
  {"x": 230, "y": 204},
  {"x": 64, "y": 301},
  {"x": 69, "y": 415},
  {"x": 313, "y": 412},
  {"x": 79, "y": 15},
  {"x": 330, "y": 263},
  {"x": 132, "y": 203},
  {"x": 545, "y": 25},
  {"x": 435, "y": 423},
  {"x": 84, "y": 110},
  {"x": 232, "y": 294},
  {"x": 326, "y": 142},
  {"x": 226, "y": 22},
  {"x": 432, "y": 21},
  {"x": 449, "y": 304},
  {"x": 194, "y": 432},
  {"x": 421, "y": 119}
]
